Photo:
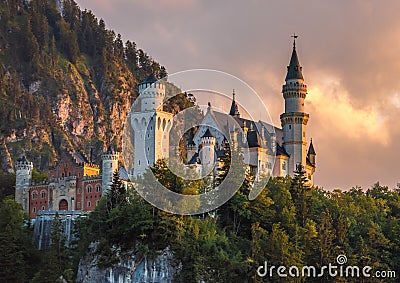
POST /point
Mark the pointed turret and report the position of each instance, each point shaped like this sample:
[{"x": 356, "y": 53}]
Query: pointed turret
[
  {"x": 311, "y": 153},
  {"x": 294, "y": 70},
  {"x": 294, "y": 120},
  {"x": 234, "y": 107}
]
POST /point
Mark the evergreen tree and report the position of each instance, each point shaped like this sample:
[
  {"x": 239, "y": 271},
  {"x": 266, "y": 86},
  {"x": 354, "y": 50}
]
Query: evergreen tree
[
  {"x": 18, "y": 257},
  {"x": 300, "y": 192},
  {"x": 57, "y": 266}
]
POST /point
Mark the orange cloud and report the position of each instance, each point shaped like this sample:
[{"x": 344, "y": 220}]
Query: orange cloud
[{"x": 332, "y": 108}]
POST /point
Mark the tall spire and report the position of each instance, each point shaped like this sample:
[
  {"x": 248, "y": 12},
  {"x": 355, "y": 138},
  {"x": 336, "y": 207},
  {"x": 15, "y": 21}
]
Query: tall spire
[
  {"x": 294, "y": 68},
  {"x": 311, "y": 149},
  {"x": 234, "y": 107}
]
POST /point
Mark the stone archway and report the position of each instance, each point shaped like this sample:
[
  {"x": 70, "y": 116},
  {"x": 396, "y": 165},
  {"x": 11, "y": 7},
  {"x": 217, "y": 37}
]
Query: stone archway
[{"x": 63, "y": 205}]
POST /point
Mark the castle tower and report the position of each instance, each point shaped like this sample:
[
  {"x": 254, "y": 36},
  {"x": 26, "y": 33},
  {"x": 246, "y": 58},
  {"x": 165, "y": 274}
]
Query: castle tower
[
  {"x": 109, "y": 166},
  {"x": 311, "y": 154},
  {"x": 151, "y": 125},
  {"x": 23, "y": 170},
  {"x": 294, "y": 120},
  {"x": 234, "y": 111},
  {"x": 207, "y": 153}
]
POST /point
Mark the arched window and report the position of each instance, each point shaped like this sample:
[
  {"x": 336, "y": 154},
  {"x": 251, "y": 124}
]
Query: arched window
[
  {"x": 98, "y": 189},
  {"x": 43, "y": 194},
  {"x": 89, "y": 188},
  {"x": 34, "y": 195},
  {"x": 43, "y": 208},
  {"x": 34, "y": 210},
  {"x": 89, "y": 204}
]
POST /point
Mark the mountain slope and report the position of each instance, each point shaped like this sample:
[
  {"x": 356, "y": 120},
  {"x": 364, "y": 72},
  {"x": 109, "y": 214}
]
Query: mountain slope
[{"x": 66, "y": 82}]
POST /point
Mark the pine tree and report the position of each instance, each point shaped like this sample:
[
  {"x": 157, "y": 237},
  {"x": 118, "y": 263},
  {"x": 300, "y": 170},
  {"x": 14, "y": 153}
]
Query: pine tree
[{"x": 300, "y": 193}]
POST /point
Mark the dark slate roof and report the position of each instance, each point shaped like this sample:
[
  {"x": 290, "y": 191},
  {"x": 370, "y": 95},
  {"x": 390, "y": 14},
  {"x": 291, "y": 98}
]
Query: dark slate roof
[
  {"x": 194, "y": 159},
  {"x": 254, "y": 139},
  {"x": 311, "y": 149},
  {"x": 22, "y": 159},
  {"x": 280, "y": 150},
  {"x": 150, "y": 79},
  {"x": 208, "y": 134},
  {"x": 79, "y": 158},
  {"x": 294, "y": 68},
  {"x": 234, "y": 107},
  {"x": 220, "y": 153}
]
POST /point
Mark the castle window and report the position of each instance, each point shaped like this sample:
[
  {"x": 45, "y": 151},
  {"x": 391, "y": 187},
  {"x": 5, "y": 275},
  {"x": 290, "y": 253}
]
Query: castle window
[
  {"x": 290, "y": 127},
  {"x": 78, "y": 205},
  {"x": 34, "y": 210},
  {"x": 34, "y": 195},
  {"x": 97, "y": 188},
  {"x": 43, "y": 194},
  {"x": 89, "y": 204},
  {"x": 43, "y": 208},
  {"x": 283, "y": 165},
  {"x": 89, "y": 188}
]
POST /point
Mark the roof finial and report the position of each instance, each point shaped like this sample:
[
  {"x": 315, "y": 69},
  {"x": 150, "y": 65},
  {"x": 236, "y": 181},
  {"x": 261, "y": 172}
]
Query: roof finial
[
  {"x": 233, "y": 94},
  {"x": 294, "y": 40}
]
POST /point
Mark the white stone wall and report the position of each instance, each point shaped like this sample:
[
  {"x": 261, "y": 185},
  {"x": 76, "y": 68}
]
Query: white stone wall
[{"x": 109, "y": 166}]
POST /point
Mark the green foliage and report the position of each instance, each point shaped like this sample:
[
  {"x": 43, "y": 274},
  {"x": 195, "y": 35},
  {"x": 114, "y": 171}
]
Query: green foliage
[
  {"x": 58, "y": 257},
  {"x": 18, "y": 258},
  {"x": 229, "y": 244},
  {"x": 7, "y": 185},
  {"x": 69, "y": 55}
]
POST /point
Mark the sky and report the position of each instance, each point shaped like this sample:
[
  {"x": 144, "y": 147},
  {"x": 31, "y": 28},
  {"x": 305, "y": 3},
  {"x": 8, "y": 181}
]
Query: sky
[{"x": 349, "y": 51}]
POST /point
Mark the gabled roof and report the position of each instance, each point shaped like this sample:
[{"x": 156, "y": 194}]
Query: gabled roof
[
  {"x": 280, "y": 150},
  {"x": 79, "y": 158}
]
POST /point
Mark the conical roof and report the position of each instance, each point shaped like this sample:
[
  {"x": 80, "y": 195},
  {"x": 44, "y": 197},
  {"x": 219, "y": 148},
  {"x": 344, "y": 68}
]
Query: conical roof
[
  {"x": 311, "y": 149},
  {"x": 150, "y": 79},
  {"x": 294, "y": 68},
  {"x": 234, "y": 107},
  {"x": 208, "y": 134}
]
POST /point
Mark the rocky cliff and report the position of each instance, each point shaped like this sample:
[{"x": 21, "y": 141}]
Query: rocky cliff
[
  {"x": 130, "y": 268},
  {"x": 66, "y": 82}
]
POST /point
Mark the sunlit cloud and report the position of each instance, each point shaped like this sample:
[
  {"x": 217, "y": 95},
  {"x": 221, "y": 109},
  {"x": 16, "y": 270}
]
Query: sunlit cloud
[{"x": 332, "y": 108}]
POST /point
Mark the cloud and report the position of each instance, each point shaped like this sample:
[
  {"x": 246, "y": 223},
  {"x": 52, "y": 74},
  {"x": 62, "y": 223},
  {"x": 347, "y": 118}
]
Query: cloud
[
  {"x": 332, "y": 109},
  {"x": 349, "y": 51}
]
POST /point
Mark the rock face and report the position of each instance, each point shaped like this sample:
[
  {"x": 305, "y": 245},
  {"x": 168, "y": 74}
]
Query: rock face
[
  {"x": 129, "y": 269},
  {"x": 43, "y": 226},
  {"x": 6, "y": 163}
]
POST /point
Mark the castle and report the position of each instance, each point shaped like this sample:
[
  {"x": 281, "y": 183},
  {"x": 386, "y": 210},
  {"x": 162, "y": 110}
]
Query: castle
[
  {"x": 75, "y": 184},
  {"x": 287, "y": 146}
]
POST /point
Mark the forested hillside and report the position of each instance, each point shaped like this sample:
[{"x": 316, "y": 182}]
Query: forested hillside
[
  {"x": 287, "y": 224},
  {"x": 66, "y": 81}
]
